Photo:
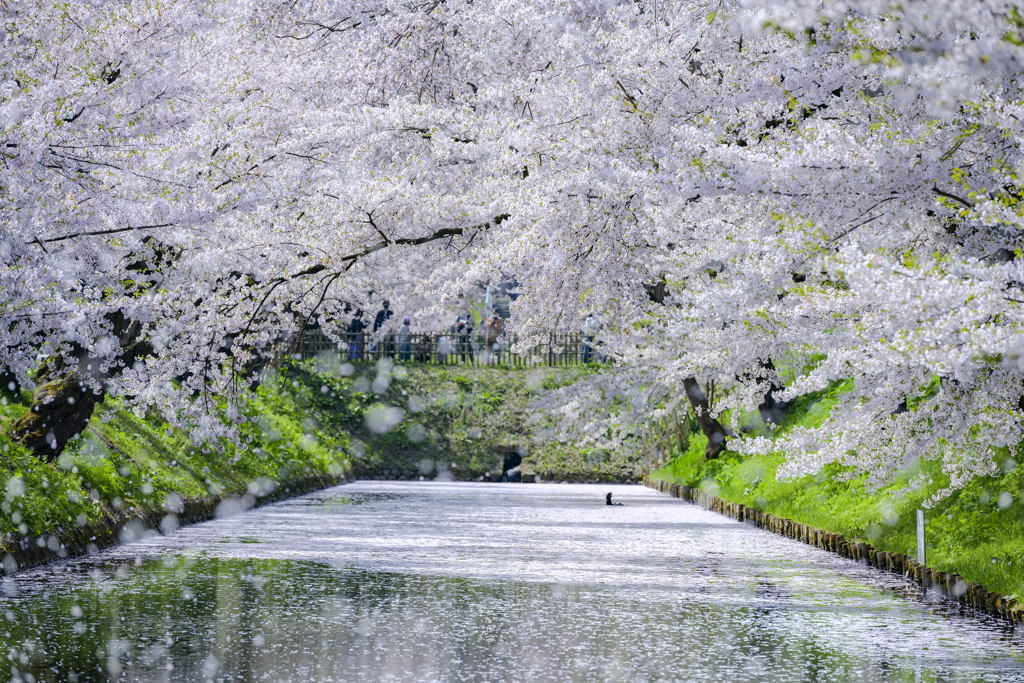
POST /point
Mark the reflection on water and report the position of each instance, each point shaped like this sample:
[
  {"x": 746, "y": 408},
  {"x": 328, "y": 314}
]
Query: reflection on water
[{"x": 462, "y": 582}]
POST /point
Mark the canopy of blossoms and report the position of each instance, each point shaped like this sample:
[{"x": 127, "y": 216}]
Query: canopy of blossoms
[{"x": 828, "y": 181}]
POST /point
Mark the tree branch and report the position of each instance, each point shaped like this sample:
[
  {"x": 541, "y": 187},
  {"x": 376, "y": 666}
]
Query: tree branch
[
  {"x": 112, "y": 231},
  {"x": 953, "y": 197}
]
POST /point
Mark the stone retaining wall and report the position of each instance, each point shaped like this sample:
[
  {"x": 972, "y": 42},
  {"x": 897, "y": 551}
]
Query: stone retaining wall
[
  {"x": 954, "y": 587},
  {"x": 27, "y": 552}
]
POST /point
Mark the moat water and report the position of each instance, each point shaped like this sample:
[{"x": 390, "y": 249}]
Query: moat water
[{"x": 396, "y": 581}]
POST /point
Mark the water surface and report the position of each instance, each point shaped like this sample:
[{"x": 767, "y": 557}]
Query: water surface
[{"x": 395, "y": 581}]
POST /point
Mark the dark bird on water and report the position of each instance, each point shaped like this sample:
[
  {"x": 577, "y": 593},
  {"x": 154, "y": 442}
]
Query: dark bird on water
[{"x": 608, "y": 500}]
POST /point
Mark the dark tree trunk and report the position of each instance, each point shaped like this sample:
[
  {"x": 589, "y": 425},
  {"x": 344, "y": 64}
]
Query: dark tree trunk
[
  {"x": 9, "y": 383},
  {"x": 772, "y": 410},
  {"x": 60, "y": 410},
  {"x": 712, "y": 428},
  {"x": 64, "y": 403}
]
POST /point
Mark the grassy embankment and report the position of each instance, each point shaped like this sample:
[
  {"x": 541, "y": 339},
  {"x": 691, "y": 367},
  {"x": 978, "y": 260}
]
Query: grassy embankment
[
  {"x": 457, "y": 421},
  {"x": 977, "y": 532},
  {"x": 309, "y": 419}
]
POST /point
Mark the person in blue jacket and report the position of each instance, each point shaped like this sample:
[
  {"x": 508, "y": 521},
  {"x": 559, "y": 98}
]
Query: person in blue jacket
[
  {"x": 355, "y": 336},
  {"x": 378, "y": 322}
]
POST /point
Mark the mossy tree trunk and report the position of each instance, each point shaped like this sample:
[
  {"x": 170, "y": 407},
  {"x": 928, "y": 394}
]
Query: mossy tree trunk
[
  {"x": 712, "y": 428},
  {"x": 771, "y": 410},
  {"x": 64, "y": 403},
  {"x": 9, "y": 383},
  {"x": 60, "y": 410}
]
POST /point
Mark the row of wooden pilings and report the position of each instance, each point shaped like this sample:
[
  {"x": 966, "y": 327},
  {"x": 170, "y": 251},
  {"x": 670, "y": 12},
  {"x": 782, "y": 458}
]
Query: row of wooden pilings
[{"x": 953, "y": 587}]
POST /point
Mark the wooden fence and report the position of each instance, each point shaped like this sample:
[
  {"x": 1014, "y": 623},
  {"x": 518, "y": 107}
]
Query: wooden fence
[
  {"x": 664, "y": 437},
  {"x": 446, "y": 348}
]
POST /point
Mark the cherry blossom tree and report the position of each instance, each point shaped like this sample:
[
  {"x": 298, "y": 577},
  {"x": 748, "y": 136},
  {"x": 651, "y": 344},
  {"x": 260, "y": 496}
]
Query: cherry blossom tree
[
  {"x": 867, "y": 212},
  {"x": 730, "y": 184}
]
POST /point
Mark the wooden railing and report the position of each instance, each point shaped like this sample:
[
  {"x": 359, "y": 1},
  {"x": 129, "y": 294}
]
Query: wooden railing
[
  {"x": 447, "y": 348},
  {"x": 662, "y": 438}
]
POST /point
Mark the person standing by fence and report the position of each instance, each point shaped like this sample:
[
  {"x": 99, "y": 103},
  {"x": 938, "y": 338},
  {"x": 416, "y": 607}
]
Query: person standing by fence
[
  {"x": 600, "y": 355},
  {"x": 355, "y": 336},
  {"x": 493, "y": 328},
  {"x": 383, "y": 315},
  {"x": 464, "y": 328},
  {"x": 404, "y": 335},
  {"x": 590, "y": 329}
]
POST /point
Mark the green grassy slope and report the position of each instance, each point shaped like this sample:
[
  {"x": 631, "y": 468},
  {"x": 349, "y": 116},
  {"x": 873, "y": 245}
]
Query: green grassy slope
[
  {"x": 309, "y": 419},
  {"x": 457, "y": 419},
  {"x": 978, "y": 532},
  {"x": 124, "y": 462}
]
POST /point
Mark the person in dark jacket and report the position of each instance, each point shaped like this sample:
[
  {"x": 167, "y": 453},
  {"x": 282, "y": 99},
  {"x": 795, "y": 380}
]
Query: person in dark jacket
[
  {"x": 464, "y": 326},
  {"x": 380, "y": 321},
  {"x": 383, "y": 315},
  {"x": 355, "y": 336}
]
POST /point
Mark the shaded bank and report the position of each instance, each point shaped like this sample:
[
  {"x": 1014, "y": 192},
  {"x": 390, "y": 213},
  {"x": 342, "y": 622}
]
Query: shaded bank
[
  {"x": 140, "y": 523},
  {"x": 311, "y": 424},
  {"x": 456, "y": 422}
]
